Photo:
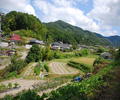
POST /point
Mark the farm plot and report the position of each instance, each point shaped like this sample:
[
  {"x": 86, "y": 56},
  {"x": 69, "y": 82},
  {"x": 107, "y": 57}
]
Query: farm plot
[
  {"x": 4, "y": 61},
  {"x": 62, "y": 68},
  {"x": 29, "y": 70},
  {"x": 24, "y": 85}
]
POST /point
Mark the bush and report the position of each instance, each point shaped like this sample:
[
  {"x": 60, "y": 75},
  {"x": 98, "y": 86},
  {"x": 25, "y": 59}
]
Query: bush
[
  {"x": 83, "y": 52},
  {"x": 38, "y": 68},
  {"x": 98, "y": 60},
  {"x": 11, "y": 74},
  {"x": 46, "y": 67},
  {"x": 35, "y": 54}
]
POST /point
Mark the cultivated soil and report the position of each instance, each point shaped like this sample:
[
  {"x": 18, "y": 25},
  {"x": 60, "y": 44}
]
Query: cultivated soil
[
  {"x": 24, "y": 85},
  {"x": 62, "y": 68}
]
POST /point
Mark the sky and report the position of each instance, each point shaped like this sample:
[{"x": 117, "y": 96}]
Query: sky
[{"x": 101, "y": 16}]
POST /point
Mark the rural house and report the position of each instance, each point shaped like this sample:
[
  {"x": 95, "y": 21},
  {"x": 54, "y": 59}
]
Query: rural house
[
  {"x": 15, "y": 38},
  {"x": 106, "y": 55},
  {"x": 34, "y": 41},
  {"x": 60, "y": 46}
]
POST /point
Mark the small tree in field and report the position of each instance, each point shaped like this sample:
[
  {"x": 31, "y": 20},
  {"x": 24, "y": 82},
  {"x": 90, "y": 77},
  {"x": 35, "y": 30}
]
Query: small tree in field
[{"x": 34, "y": 54}]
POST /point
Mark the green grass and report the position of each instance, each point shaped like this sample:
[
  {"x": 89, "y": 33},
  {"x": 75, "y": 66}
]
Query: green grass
[{"x": 84, "y": 60}]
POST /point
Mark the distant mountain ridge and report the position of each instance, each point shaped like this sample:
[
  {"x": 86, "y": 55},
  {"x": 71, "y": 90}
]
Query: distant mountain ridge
[
  {"x": 62, "y": 31},
  {"x": 115, "y": 40}
]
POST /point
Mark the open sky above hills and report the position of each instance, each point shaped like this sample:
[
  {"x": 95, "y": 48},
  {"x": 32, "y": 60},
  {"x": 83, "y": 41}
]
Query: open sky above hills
[{"x": 101, "y": 16}]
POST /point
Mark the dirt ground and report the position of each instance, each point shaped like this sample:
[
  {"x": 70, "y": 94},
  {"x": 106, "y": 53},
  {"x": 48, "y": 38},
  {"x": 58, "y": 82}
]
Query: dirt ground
[
  {"x": 62, "y": 68},
  {"x": 25, "y": 84},
  {"x": 4, "y": 62},
  {"x": 29, "y": 70}
]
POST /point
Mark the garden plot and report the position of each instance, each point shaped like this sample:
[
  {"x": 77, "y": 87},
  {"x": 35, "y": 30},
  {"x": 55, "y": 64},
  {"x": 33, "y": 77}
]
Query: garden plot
[
  {"x": 62, "y": 68},
  {"x": 29, "y": 70},
  {"x": 24, "y": 85},
  {"x": 4, "y": 61}
]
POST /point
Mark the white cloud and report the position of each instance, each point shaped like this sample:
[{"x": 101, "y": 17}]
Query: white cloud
[
  {"x": 18, "y": 5},
  {"x": 107, "y": 13},
  {"x": 101, "y": 19},
  {"x": 64, "y": 10}
]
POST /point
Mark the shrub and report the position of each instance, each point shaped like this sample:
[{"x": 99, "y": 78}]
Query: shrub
[
  {"x": 35, "y": 54},
  {"x": 10, "y": 74},
  {"x": 38, "y": 68},
  {"x": 98, "y": 60},
  {"x": 46, "y": 67}
]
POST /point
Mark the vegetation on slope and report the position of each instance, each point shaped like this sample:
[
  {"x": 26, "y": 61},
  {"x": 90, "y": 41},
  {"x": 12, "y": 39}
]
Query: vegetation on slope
[
  {"x": 61, "y": 31},
  {"x": 19, "y": 21},
  {"x": 30, "y": 26}
]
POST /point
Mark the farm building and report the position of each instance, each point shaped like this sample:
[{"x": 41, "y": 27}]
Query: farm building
[
  {"x": 3, "y": 44},
  {"x": 106, "y": 55},
  {"x": 15, "y": 38},
  {"x": 34, "y": 41},
  {"x": 60, "y": 46},
  {"x": 7, "y": 52}
]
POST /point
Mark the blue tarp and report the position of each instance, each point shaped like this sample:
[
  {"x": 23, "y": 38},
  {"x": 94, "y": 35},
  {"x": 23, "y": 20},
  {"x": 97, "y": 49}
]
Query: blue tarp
[{"x": 77, "y": 79}]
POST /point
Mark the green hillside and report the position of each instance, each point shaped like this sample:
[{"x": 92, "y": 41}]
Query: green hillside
[
  {"x": 13, "y": 21},
  {"x": 30, "y": 26},
  {"x": 62, "y": 31}
]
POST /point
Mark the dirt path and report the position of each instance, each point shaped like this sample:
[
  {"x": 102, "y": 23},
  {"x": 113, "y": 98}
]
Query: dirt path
[
  {"x": 24, "y": 54},
  {"x": 62, "y": 68},
  {"x": 25, "y": 84}
]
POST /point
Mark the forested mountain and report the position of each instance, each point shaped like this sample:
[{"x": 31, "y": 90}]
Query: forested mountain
[
  {"x": 30, "y": 26},
  {"x": 115, "y": 40},
  {"x": 62, "y": 31}
]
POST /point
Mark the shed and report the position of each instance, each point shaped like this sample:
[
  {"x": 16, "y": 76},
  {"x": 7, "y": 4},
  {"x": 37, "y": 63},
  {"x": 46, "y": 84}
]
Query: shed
[
  {"x": 106, "y": 55},
  {"x": 34, "y": 41}
]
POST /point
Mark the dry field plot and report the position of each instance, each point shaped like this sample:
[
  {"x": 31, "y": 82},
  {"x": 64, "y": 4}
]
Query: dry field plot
[
  {"x": 62, "y": 68},
  {"x": 25, "y": 85}
]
